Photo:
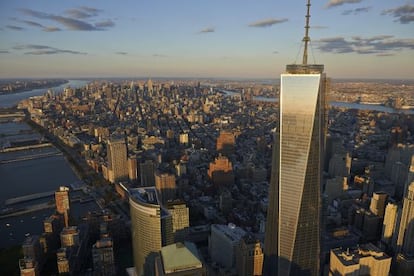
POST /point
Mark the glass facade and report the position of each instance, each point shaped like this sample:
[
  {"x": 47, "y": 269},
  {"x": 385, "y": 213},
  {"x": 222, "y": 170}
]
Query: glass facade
[{"x": 292, "y": 231}]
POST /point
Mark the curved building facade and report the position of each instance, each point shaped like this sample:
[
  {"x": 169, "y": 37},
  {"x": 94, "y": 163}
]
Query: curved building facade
[{"x": 150, "y": 226}]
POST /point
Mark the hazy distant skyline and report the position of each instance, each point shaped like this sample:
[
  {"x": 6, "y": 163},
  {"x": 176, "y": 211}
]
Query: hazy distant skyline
[{"x": 225, "y": 39}]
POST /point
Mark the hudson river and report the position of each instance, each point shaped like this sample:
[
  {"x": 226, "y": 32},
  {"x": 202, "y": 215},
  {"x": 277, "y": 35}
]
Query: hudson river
[{"x": 21, "y": 178}]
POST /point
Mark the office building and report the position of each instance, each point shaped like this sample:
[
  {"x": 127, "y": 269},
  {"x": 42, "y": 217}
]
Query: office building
[
  {"x": 103, "y": 258},
  {"x": 117, "y": 160},
  {"x": 220, "y": 172},
  {"x": 151, "y": 228},
  {"x": 405, "y": 241},
  {"x": 166, "y": 186},
  {"x": 249, "y": 258},
  {"x": 33, "y": 250},
  {"x": 366, "y": 259},
  {"x": 224, "y": 243},
  {"x": 63, "y": 203},
  {"x": 147, "y": 173},
  {"x": 292, "y": 239},
  {"x": 179, "y": 259}
]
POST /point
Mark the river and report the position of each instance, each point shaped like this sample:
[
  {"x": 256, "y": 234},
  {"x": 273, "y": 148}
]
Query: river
[
  {"x": 31, "y": 176},
  {"x": 347, "y": 105},
  {"x": 10, "y": 100}
]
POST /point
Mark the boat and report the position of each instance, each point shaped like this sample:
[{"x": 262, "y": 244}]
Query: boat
[
  {"x": 27, "y": 234},
  {"x": 8, "y": 224}
]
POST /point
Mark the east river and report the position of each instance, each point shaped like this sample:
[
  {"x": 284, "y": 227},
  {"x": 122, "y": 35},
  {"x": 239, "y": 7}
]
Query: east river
[{"x": 19, "y": 178}]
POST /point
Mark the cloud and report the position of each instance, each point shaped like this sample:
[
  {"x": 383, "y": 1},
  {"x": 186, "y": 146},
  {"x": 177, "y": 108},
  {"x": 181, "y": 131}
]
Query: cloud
[
  {"x": 82, "y": 12},
  {"x": 32, "y": 23},
  {"x": 4, "y": 52},
  {"x": 319, "y": 27},
  {"x": 381, "y": 45},
  {"x": 44, "y": 28},
  {"x": 334, "y": 3},
  {"x": 159, "y": 55},
  {"x": 35, "y": 49},
  {"x": 403, "y": 14},
  {"x": 105, "y": 24},
  {"x": 207, "y": 30},
  {"x": 275, "y": 52},
  {"x": 70, "y": 23},
  {"x": 51, "y": 29},
  {"x": 121, "y": 53},
  {"x": 268, "y": 22},
  {"x": 14, "y": 28},
  {"x": 356, "y": 11}
]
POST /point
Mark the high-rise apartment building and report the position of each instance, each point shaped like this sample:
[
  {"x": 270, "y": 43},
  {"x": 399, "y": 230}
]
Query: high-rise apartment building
[
  {"x": 147, "y": 173},
  {"x": 180, "y": 216},
  {"x": 220, "y": 171},
  {"x": 103, "y": 258},
  {"x": 151, "y": 228},
  {"x": 292, "y": 240},
  {"x": 388, "y": 225},
  {"x": 117, "y": 160},
  {"x": 132, "y": 169},
  {"x": 166, "y": 186},
  {"x": 249, "y": 258},
  {"x": 28, "y": 267},
  {"x": 367, "y": 259},
  {"x": 63, "y": 203},
  {"x": 225, "y": 143},
  {"x": 377, "y": 205}
]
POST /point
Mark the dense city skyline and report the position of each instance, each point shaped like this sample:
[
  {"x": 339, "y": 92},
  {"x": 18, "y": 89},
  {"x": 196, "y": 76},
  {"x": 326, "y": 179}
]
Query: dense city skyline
[{"x": 353, "y": 38}]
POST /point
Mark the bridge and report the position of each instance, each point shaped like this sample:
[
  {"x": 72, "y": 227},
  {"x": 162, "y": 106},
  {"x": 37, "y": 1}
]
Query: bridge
[
  {"x": 31, "y": 157},
  {"x": 30, "y": 209},
  {"x": 36, "y": 146},
  {"x": 24, "y": 198}
]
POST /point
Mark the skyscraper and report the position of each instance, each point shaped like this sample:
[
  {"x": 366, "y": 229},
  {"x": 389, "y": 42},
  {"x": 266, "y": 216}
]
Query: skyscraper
[
  {"x": 405, "y": 241},
  {"x": 293, "y": 220},
  {"x": 117, "y": 160},
  {"x": 151, "y": 228}
]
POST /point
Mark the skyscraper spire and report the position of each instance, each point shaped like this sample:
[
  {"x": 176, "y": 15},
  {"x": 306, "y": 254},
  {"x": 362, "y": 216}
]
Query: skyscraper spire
[{"x": 306, "y": 38}]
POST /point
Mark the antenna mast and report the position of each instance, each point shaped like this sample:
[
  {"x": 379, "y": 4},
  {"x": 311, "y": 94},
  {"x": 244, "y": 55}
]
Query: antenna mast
[{"x": 306, "y": 38}]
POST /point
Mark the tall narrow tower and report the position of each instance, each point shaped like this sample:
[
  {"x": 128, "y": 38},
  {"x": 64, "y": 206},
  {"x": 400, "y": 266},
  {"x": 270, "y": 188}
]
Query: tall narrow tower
[
  {"x": 292, "y": 241},
  {"x": 117, "y": 160}
]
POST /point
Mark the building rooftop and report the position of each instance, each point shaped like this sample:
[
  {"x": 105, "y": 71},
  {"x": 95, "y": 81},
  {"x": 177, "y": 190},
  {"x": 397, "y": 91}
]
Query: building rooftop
[
  {"x": 231, "y": 231},
  {"x": 352, "y": 256},
  {"x": 180, "y": 257},
  {"x": 148, "y": 196}
]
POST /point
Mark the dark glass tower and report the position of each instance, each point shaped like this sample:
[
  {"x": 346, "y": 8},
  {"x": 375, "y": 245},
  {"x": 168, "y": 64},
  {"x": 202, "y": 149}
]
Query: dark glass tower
[{"x": 292, "y": 238}]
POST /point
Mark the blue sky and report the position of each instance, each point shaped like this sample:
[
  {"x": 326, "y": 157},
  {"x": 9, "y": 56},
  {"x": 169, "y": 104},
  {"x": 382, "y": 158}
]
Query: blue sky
[{"x": 215, "y": 38}]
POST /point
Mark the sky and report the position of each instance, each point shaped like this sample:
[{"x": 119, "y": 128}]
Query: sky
[{"x": 204, "y": 39}]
